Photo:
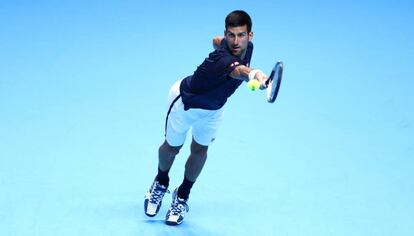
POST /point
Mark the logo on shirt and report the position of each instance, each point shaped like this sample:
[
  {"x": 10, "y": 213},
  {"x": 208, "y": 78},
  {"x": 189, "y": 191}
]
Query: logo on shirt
[{"x": 236, "y": 63}]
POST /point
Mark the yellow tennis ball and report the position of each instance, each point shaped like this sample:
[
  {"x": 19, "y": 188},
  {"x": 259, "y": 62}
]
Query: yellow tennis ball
[{"x": 253, "y": 85}]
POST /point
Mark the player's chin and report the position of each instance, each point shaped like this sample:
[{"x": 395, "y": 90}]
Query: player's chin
[{"x": 236, "y": 51}]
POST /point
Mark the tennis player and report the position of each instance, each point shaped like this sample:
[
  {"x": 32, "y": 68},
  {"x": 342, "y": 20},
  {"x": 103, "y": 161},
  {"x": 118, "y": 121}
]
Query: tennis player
[{"x": 197, "y": 102}]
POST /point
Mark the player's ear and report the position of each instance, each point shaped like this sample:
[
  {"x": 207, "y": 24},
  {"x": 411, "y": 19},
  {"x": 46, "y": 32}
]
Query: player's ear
[{"x": 250, "y": 36}]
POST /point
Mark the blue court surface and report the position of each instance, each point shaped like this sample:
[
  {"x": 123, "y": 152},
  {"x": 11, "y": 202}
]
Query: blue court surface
[{"x": 83, "y": 91}]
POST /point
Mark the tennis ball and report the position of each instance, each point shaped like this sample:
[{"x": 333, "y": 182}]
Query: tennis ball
[{"x": 253, "y": 85}]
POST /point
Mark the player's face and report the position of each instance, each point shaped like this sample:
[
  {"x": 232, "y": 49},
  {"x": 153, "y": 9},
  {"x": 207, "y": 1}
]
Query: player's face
[{"x": 237, "y": 39}]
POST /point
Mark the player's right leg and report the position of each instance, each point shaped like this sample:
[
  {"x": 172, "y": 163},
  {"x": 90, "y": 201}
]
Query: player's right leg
[
  {"x": 176, "y": 126},
  {"x": 153, "y": 198},
  {"x": 155, "y": 194}
]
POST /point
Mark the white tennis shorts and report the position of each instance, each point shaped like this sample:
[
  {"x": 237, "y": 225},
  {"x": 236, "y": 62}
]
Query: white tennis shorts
[{"x": 203, "y": 123}]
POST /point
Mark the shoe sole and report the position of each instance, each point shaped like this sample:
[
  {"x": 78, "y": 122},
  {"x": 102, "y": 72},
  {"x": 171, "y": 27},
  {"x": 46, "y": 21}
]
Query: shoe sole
[
  {"x": 150, "y": 215},
  {"x": 172, "y": 223}
]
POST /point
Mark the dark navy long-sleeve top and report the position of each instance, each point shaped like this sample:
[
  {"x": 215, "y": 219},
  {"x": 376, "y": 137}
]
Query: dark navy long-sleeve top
[{"x": 211, "y": 85}]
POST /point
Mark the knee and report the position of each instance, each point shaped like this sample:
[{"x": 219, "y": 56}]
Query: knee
[
  {"x": 169, "y": 150},
  {"x": 199, "y": 151}
]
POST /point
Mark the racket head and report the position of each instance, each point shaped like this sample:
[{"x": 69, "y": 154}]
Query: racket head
[{"x": 274, "y": 81}]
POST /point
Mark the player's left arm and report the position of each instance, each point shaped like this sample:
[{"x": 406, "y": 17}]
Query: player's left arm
[{"x": 246, "y": 73}]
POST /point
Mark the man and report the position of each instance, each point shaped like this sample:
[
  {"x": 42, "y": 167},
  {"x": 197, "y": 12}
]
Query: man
[{"x": 197, "y": 102}]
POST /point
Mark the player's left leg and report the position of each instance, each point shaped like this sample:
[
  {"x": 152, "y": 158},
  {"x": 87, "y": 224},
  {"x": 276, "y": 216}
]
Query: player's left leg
[
  {"x": 204, "y": 133},
  {"x": 193, "y": 168}
]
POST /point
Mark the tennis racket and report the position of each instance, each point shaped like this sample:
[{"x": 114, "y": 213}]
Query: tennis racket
[{"x": 273, "y": 83}]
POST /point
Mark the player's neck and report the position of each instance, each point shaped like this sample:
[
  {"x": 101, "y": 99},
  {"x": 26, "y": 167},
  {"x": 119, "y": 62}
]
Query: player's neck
[{"x": 243, "y": 54}]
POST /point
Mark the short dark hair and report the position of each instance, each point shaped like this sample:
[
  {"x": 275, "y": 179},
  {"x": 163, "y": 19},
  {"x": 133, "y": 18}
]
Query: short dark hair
[{"x": 239, "y": 18}]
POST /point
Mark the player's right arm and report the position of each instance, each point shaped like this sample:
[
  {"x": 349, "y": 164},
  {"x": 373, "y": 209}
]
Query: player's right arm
[{"x": 217, "y": 41}]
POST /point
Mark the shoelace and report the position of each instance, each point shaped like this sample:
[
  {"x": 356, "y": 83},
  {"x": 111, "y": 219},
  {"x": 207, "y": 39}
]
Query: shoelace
[
  {"x": 157, "y": 194},
  {"x": 178, "y": 207}
]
